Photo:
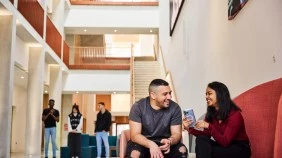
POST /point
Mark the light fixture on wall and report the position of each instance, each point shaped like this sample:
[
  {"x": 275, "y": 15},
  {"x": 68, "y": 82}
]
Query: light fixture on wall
[
  {"x": 85, "y": 30},
  {"x": 22, "y": 77},
  {"x": 115, "y": 30},
  {"x": 77, "y": 92},
  {"x": 151, "y": 30}
]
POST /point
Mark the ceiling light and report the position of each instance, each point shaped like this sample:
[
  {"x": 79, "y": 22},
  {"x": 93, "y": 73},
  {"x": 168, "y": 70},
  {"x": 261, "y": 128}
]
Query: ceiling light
[
  {"x": 114, "y": 92},
  {"x": 85, "y": 30},
  {"x": 22, "y": 77},
  {"x": 115, "y": 30},
  {"x": 151, "y": 30}
]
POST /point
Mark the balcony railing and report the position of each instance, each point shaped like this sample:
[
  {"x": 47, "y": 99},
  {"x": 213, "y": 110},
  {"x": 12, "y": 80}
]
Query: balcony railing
[
  {"x": 114, "y": 58},
  {"x": 116, "y": 2},
  {"x": 33, "y": 13}
]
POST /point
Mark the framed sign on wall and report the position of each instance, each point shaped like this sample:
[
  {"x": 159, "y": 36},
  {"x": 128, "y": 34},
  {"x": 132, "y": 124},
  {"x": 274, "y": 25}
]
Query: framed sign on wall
[
  {"x": 234, "y": 6},
  {"x": 174, "y": 9}
]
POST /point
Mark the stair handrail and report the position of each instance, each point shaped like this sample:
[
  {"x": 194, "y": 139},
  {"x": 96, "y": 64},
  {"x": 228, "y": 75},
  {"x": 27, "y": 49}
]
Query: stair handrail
[
  {"x": 160, "y": 59},
  {"x": 132, "y": 92}
]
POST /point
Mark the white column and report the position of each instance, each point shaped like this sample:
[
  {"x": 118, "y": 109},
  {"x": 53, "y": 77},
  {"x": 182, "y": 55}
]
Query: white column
[
  {"x": 90, "y": 113},
  {"x": 66, "y": 105},
  {"x": 6, "y": 82},
  {"x": 55, "y": 92},
  {"x": 34, "y": 101}
]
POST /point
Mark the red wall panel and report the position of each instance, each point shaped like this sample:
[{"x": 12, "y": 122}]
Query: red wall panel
[
  {"x": 33, "y": 13},
  {"x": 66, "y": 53},
  {"x": 53, "y": 37}
]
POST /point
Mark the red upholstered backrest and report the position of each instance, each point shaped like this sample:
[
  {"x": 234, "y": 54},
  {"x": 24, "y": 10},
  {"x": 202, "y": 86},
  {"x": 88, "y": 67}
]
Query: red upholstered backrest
[
  {"x": 260, "y": 106},
  {"x": 278, "y": 132}
]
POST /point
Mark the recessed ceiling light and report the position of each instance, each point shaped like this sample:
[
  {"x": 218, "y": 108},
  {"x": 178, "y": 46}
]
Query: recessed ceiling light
[
  {"x": 85, "y": 30},
  {"x": 115, "y": 30},
  {"x": 22, "y": 77},
  {"x": 151, "y": 30}
]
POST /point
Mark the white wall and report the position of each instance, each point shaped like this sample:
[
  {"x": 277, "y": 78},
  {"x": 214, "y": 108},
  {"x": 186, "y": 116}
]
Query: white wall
[
  {"x": 97, "y": 81},
  {"x": 120, "y": 103},
  {"x": 21, "y": 53},
  {"x": 58, "y": 14},
  {"x": 19, "y": 119},
  {"x": 238, "y": 53},
  {"x": 112, "y": 16},
  {"x": 146, "y": 45}
]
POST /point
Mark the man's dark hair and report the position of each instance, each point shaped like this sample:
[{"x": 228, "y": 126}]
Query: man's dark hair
[
  {"x": 51, "y": 100},
  {"x": 101, "y": 103},
  {"x": 224, "y": 101},
  {"x": 157, "y": 82}
]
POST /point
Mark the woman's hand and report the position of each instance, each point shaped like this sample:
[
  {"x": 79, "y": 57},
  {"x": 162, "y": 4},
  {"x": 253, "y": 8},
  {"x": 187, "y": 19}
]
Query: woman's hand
[
  {"x": 202, "y": 124},
  {"x": 186, "y": 123}
]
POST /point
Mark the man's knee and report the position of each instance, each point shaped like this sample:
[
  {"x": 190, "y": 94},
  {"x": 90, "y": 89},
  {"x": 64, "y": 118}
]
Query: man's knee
[
  {"x": 182, "y": 149},
  {"x": 135, "y": 154}
]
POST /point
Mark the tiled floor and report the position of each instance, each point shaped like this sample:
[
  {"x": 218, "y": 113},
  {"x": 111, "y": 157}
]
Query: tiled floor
[{"x": 21, "y": 155}]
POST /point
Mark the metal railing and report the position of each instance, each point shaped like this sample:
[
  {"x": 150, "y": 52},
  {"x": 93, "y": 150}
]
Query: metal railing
[
  {"x": 132, "y": 92},
  {"x": 94, "y": 55},
  {"x": 116, "y": 2}
]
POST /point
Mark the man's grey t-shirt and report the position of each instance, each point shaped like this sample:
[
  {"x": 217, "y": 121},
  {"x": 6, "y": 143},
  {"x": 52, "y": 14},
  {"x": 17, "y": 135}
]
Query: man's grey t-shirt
[{"x": 155, "y": 123}]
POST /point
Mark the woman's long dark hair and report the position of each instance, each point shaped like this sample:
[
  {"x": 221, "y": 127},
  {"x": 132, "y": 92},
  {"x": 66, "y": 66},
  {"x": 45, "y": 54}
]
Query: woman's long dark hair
[
  {"x": 224, "y": 102},
  {"x": 75, "y": 107}
]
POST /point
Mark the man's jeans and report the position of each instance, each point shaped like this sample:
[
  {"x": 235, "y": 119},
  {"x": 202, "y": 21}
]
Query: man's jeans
[
  {"x": 99, "y": 137},
  {"x": 50, "y": 132}
]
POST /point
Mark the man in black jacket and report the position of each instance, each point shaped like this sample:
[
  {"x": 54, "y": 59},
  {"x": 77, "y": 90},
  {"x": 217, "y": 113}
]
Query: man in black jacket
[{"x": 102, "y": 127}]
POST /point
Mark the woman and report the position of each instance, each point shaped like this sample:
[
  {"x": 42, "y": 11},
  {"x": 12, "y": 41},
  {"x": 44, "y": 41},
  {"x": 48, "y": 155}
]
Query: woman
[
  {"x": 75, "y": 122},
  {"x": 224, "y": 123}
]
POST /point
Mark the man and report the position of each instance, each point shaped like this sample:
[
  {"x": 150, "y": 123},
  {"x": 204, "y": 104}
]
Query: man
[
  {"x": 156, "y": 125},
  {"x": 50, "y": 116},
  {"x": 102, "y": 127}
]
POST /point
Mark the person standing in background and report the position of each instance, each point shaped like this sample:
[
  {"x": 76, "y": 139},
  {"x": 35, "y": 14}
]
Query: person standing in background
[
  {"x": 75, "y": 123},
  {"x": 50, "y": 116},
  {"x": 102, "y": 127}
]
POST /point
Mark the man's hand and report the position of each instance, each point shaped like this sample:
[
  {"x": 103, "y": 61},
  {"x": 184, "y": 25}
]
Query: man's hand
[
  {"x": 73, "y": 131},
  {"x": 166, "y": 146},
  {"x": 155, "y": 150}
]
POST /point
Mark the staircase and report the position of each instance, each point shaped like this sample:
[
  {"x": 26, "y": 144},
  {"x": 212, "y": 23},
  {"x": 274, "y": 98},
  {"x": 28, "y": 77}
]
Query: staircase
[{"x": 144, "y": 73}]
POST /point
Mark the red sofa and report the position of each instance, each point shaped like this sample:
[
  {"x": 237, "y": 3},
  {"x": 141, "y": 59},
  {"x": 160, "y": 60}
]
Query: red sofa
[{"x": 262, "y": 111}]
